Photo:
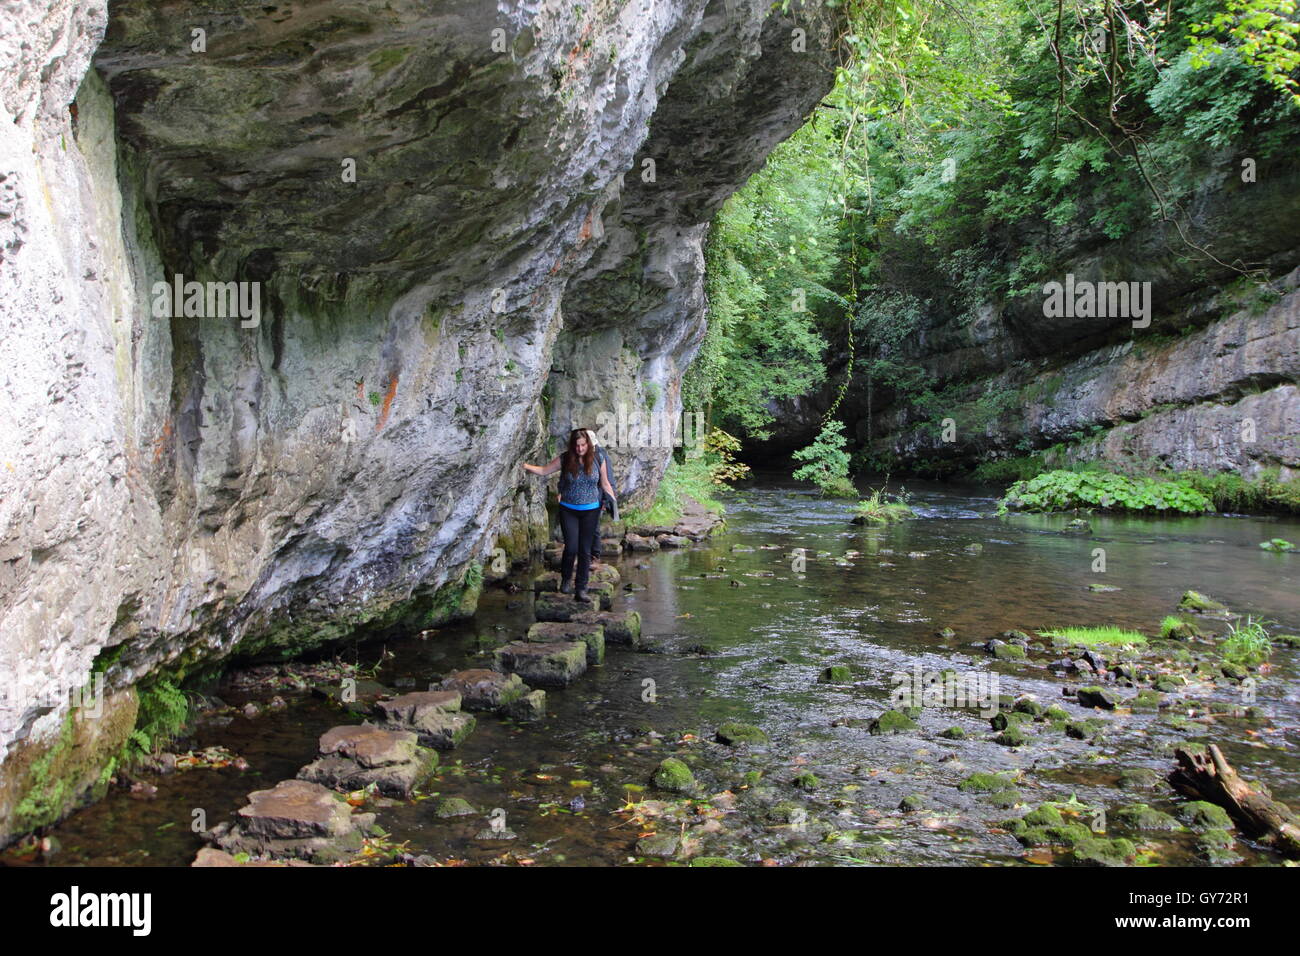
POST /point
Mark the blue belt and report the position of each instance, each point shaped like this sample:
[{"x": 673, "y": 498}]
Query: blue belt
[{"x": 594, "y": 504}]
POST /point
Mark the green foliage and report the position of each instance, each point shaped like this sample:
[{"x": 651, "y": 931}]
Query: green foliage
[
  {"x": 1247, "y": 644},
  {"x": 693, "y": 476},
  {"x": 1277, "y": 544},
  {"x": 164, "y": 711},
  {"x": 1170, "y": 626},
  {"x": 877, "y": 510},
  {"x": 1068, "y": 490},
  {"x": 827, "y": 462},
  {"x": 1262, "y": 32},
  {"x": 1267, "y": 491},
  {"x": 1108, "y": 635}
]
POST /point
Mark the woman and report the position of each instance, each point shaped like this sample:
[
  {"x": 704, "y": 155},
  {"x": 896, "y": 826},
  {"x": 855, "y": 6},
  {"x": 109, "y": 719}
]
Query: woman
[{"x": 581, "y": 481}]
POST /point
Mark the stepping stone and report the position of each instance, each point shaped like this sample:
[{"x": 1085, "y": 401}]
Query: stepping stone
[
  {"x": 532, "y": 706},
  {"x": 546, "y": 581},
  {"x": 562, "y": 607},
  {"x": 482, "y": 689},
  {"x": 636, "y": 542},
  {"x": 650, "y": 530},
  {"x": 590, "y": 633},
  {"x": 621, "y": 627},
  {"x": 441, "y": 730},
  {"x": 673, "y": 541},
  {"x": 295, "y": 819},
  {"x": 610, "y": 547},
  {"x": 604, "y": 591},
  {"x": 549, "y": 581},
  {"x": 409, "y": 708},
  {"x": 605, "y": 574},
  {"x": 356, "y": 697},
  {"x": 353, "y": 758},
  {"x": 555, "y": 664}
]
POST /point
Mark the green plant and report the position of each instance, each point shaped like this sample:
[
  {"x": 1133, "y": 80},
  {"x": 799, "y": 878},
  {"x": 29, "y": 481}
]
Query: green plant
[
  {"x": 876, "y": 510},
  {"x": 827, "y": 462},
  {"x": 720, "y": 455},
  {"x": 1092, "y": 636},
  {"x": 1277, "y": 544},
  {"x": 375, "y": 398},
  {"x": 1246, "y": 643},
  {"x": 163, "y": 713},
  {"x": 1068, "y": 490},
  {"x": 687, "y": 477},
  {"x": 1170, "y": 625}
]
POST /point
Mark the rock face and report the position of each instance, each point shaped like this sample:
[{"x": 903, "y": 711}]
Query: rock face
[
  {"x": 465, "y": 226},
  {"x": 1209, "y": 384}
]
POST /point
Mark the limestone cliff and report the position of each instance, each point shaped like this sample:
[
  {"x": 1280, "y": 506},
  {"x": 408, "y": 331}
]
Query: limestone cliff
[{"x": 467, "y": 224}]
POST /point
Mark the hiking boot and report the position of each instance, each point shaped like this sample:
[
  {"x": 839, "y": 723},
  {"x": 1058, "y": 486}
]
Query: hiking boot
[
  {"x": 580, "y": 596},
  {"x": 565, "y": 587}
]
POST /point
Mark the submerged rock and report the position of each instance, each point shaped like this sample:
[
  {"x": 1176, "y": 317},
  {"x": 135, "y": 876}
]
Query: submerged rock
[
  {"x": 733, "y": 732},
  {"x": 449, "y": 807},
  {"x": 530, "y": 707},
  {"x": 661, "y": 845}
]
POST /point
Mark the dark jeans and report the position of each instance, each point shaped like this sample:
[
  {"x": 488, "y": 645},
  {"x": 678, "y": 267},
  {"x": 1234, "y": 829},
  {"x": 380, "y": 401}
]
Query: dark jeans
[{"x": 578, "y": 528}]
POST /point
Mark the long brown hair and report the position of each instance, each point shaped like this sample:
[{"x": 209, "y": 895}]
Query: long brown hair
[{"x": 571, "y": 456}]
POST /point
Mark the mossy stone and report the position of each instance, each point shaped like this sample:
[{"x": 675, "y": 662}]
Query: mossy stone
[
  {"x": 1139, "y": 816},
  {"x": 1097, "y": 851},
  {"x": 673, "y": 775},
  {"x": 734, "y": 732},
  {"x": 1201, "y": 815},
  {"x": 983, "y": 782},
  {"x": 892, "y": 722}
]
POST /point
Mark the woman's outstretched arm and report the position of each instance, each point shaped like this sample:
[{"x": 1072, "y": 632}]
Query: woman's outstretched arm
[
  {"x": 549, "y": 468},
  {"x": 604, "y": 482}
]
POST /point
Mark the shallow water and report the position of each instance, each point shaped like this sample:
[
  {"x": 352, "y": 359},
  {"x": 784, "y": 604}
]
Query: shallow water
[{"x": 770, "y": 638}]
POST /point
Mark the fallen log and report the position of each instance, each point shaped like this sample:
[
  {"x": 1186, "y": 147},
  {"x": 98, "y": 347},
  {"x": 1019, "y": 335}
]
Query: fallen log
[{"x": 1207, "y": 775}]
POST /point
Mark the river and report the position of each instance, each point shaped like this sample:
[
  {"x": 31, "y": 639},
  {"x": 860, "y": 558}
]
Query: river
[{"x": 743, "y": 635}]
